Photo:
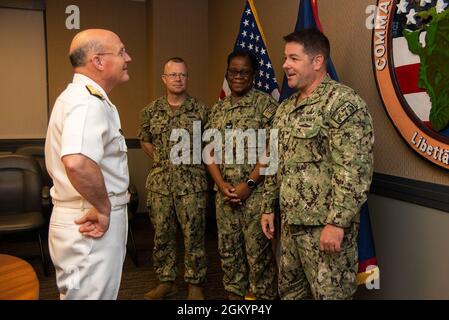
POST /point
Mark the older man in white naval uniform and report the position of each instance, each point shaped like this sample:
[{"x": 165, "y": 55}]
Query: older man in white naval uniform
[{"x": 86, "y": 156}]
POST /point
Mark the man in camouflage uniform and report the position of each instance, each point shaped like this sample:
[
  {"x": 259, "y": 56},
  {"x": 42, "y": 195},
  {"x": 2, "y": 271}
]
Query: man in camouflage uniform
[
  {"x": 176, "y": 192},
  {"x": 240, "y": 239},
  {"x": 325, "y": 169}
]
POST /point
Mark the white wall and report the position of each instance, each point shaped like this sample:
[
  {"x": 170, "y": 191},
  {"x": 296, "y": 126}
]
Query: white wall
[
  {"x": 23, "y": 79},
  {"x": 412, "y": 244}
]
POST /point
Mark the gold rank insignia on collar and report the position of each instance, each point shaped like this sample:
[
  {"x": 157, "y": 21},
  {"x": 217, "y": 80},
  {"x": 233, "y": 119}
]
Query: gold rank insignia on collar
[{"x": 94, "y": 91}]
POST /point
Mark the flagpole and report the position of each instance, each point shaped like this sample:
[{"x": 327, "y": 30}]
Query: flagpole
[{"x": 259, "y": 25}]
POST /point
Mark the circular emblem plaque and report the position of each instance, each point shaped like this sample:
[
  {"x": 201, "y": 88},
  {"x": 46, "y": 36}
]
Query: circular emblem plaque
[{"x": 411, "y": 65}]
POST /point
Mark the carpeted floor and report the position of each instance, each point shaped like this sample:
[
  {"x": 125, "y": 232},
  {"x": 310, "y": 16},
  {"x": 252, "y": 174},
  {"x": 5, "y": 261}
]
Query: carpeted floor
[{"x": 135, "y": 280}]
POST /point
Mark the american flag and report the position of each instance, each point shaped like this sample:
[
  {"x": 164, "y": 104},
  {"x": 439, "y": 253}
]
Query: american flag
[
  {"x": 252, "y": 39},
  {"x": 407, "y": 64}
]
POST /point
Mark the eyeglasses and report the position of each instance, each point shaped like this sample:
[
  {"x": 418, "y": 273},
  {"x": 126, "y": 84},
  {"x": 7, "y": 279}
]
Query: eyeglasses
[
  {"x": 122, "y": 53},
  {"x": 242, "y": 73},
  {"x": 174, "y": 76}
]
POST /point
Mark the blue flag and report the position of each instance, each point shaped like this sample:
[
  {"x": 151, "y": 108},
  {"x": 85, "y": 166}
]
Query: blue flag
[{"x": 368, "y": 269}]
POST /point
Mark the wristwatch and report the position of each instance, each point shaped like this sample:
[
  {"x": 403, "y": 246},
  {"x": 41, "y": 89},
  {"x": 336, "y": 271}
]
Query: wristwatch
[{"x": 251, "y": 184}]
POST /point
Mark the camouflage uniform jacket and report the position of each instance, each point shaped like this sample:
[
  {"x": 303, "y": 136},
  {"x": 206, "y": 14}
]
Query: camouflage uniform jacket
[
  {"x": 325, "y": 157},
  {"x": 158, "y": 121},
  {"x": 253, "y": 111}
]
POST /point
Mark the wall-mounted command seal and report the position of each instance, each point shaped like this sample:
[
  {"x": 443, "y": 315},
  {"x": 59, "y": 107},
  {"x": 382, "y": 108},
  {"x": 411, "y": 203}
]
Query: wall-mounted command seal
[{"x": 411, "y": 65}]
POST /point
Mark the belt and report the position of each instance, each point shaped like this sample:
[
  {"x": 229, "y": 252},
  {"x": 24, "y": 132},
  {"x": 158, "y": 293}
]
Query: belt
[{"x": 116, "y": 200}]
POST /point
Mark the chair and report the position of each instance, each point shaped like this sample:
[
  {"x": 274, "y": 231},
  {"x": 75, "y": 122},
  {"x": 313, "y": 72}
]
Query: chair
[
  {"x": 20, "y": 198},
  {"x": 38, "y": 153},
  {"x": 132, "y": 209}
]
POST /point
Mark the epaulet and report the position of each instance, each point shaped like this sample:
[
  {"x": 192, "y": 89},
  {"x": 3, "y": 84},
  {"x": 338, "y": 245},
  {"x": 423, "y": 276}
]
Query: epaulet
[{"x": 94, "y": 91}]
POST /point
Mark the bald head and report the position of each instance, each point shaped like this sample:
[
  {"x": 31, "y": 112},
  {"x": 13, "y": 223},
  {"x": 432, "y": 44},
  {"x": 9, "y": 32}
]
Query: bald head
[
  {"x": 100, "y": 55},
  {"x": 88, "y": 42}
]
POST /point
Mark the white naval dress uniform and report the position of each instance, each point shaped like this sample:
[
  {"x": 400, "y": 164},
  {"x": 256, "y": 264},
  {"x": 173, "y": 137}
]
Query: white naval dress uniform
[{"x": 84, "y": 121}]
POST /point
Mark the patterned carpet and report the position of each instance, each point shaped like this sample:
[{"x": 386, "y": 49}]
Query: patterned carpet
[{"x": 135, "y": 280}]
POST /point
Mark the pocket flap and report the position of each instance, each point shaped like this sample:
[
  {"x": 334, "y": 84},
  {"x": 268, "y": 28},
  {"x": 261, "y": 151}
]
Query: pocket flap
[{"x": 306, "y": 131}]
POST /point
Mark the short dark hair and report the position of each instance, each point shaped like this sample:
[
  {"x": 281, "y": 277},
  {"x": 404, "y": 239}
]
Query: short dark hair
[
  {"x": 78, "y": 56},
  {"x": 313, "y": 41},
  {"x": 176, "y": 59},
  {"x": 244, "y": 54}
]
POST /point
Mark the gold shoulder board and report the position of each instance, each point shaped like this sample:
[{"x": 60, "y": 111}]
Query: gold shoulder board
[{"x": 94, "y": 91}]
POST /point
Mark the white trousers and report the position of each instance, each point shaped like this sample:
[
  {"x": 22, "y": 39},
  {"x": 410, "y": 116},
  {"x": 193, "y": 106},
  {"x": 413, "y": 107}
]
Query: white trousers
[{"x": 87, "y": 268}]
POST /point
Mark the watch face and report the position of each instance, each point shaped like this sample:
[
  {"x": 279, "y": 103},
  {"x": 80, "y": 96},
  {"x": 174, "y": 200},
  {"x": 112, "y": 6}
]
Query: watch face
[{"x": 251, "y": 184}]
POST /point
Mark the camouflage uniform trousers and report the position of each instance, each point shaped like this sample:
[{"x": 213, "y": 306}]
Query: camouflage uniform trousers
[
  {"x": 306, "y": 272},
  {"x": 242, "y": 244},
  {"x": 190, "y": 211}
]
